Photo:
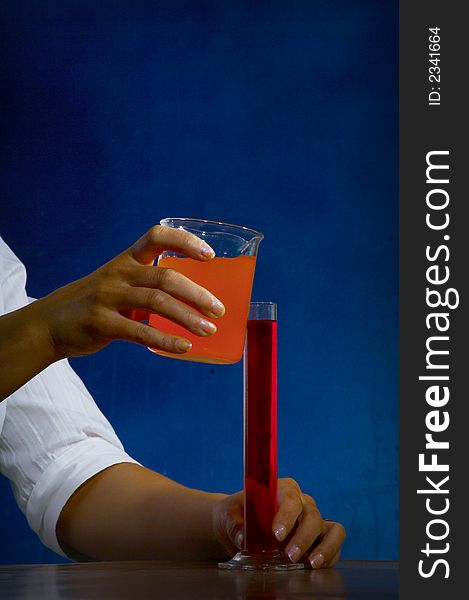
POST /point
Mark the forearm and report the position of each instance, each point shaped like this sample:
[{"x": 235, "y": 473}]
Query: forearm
[
  {"x": 129, "y": 512},
  {"x": 25, "y": 347}
]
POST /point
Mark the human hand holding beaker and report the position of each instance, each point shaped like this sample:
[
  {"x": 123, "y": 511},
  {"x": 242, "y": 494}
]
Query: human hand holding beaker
[
  {"x": 87, "y": 314},
  {"x": 229, "y": 276}
]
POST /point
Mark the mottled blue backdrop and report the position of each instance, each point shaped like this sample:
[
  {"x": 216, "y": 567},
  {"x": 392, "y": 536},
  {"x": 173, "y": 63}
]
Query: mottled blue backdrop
[{"x": 279, "y": 115}]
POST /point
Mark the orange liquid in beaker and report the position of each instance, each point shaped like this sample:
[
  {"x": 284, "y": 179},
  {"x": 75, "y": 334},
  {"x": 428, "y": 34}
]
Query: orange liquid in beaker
[{"x": 230, "y": 280}]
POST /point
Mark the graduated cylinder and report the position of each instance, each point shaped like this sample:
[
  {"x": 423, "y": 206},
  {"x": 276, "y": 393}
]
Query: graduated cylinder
[{"x": 260, "y": 428}]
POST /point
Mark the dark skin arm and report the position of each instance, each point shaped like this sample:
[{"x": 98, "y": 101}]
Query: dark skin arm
[{"x": 127, "y": 512}]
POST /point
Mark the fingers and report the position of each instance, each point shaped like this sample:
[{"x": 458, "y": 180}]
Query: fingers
[
  {"x": 309, "y": 528},
  {"x": 309, "y": 536},
  {"x": 235, "y": 521},
  {"x": 290, "y": 508},
  {"x": 228, "y": 519},
  {"x": 159, "y": 302},
  {"x": 139, "y": 333},
  {"x": 299, "y": 509},
  {"x": 160, "y": 238},
  {"x": 175, "y": 284},
  {"x": 327, "y": 552},
  {"x": 333, "y": 561}
]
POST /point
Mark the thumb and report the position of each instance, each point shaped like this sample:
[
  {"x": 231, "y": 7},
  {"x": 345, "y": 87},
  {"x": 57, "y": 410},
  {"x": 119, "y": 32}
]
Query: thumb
[
  {"x": 239, "y": 538},
  {"x": 234, "y": 520},
  {"x": 235, "y": 526}
]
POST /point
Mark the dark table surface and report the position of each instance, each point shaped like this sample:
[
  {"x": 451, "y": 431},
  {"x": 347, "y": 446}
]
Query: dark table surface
[{"x": 179, "y": 580}]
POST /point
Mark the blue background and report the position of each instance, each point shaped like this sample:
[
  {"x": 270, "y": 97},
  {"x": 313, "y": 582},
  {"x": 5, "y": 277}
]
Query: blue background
[{"x": 281, "y": 116}]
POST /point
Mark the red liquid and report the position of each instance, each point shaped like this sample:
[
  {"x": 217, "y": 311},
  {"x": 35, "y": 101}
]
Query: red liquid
[{"x": 260, "y": 436}]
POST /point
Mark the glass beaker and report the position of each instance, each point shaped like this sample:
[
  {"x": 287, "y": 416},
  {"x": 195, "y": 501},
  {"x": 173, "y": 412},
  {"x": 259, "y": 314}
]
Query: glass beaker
[
  {"x": 260, "y": 548},
  {"x": 229, "y": 276}
]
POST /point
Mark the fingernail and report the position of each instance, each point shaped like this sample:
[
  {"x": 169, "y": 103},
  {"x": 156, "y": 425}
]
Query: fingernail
[
  {"x": 239, "y": 540},
  {"x": 294, "y": 553},
  {"x": 206, "y": 326},
  {"x": 206, "y": 251},
  {"x": 317, "y": 561},
  {"x": 280, "y": 533},
  {"x": 183, "y": 345},
  {"x": 217, "y": 308}
]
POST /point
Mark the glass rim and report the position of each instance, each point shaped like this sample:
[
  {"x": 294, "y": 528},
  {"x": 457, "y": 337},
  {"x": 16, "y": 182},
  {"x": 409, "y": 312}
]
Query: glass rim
[
  {"x": 210, "y": 222},
  {"x": 263, "y": 311},
  {"x": 263, "y": 303}
]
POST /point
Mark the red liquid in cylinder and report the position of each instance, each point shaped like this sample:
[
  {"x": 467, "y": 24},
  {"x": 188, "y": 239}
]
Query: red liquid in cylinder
[{"x": 260, "y": 451}]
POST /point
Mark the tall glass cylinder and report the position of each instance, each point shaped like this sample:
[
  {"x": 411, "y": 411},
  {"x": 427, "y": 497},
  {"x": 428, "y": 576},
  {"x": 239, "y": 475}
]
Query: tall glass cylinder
[
  {"x": 260, "y": 548},
  {"x": 260, "y": 428}
]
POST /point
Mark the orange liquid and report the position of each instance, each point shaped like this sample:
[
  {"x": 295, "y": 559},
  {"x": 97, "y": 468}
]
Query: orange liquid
[{"x": 230, "y": 280}]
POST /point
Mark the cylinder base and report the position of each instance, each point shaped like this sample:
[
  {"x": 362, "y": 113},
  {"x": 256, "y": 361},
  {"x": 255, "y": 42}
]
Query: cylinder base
[{"x": 262, "y": 561}]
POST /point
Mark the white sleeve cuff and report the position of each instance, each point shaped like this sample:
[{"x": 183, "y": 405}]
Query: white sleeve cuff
[{"x": 62, "y": 478}]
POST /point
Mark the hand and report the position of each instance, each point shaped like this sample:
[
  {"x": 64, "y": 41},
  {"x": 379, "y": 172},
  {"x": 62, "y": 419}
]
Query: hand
[
  {"x": 298, "y": 526},
  {"x": 86, "y": 315}
]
